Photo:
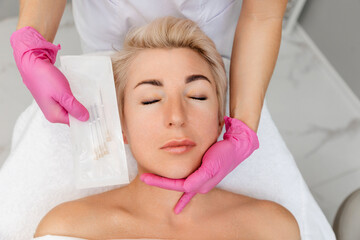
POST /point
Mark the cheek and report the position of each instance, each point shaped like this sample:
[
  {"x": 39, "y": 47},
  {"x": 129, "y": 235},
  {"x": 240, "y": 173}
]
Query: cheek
[
  {"x": 138, "y": 121},
  {"x": 141, "y": 129},
  {"x": 206, "y": 125},
  {"x": 205, "y": 120}
]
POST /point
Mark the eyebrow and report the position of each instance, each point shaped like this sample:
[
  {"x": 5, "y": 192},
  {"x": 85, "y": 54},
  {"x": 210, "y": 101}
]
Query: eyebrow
[{"x": 188, "y": 79}]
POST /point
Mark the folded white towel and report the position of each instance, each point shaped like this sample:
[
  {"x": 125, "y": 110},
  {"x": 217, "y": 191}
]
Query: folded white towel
[{"x": 39, "y": 174}]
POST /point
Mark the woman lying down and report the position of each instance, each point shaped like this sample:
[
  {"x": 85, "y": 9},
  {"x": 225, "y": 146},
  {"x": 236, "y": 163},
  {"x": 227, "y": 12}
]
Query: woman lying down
[{"x": 171, "y": 85}]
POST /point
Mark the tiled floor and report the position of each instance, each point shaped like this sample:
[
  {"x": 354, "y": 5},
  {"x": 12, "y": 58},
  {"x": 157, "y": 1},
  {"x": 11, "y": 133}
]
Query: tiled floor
[{"x": 317, "y": 115}]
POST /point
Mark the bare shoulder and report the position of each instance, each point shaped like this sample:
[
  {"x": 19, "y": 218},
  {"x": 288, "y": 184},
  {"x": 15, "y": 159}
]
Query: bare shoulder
[
  {"x": 253, "y": 218},
  {"x": 80, "y": 218},
  {"x": 63, "y": 220},
  {"x": 271, "y": 220}
]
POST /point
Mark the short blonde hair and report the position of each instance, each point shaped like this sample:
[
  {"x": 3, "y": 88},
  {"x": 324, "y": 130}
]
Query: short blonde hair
[{"x": 169, "y": 32}]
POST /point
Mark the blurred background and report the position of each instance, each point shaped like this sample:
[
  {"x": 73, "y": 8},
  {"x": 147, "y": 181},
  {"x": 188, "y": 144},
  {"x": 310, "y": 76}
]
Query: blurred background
[{"x": 313, "y": 95}]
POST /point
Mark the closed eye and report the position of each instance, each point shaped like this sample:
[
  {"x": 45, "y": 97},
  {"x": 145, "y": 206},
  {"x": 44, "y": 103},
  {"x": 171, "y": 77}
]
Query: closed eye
[
  {"x": 199, "y": 98},
  {"x": 150, "y": 102},
  {"x": 157, "y": 100}
]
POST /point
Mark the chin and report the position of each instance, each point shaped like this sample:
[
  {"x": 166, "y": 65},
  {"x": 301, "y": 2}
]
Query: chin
[
  {"x": 174, "y": 168},
  {"x": 179, "y": 172}
]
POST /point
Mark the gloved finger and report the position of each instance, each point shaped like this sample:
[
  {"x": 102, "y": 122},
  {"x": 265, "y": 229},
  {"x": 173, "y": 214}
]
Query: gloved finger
[
  {"x": 63, "y": 116},
  {"x": 183, "y": 201},
  {"x": 198, "y": 178},
  {"x": 55, "y": 113},
  {"x": 163, "y": 182},
  {"x": 73, "y": 107},
  {"x": 210, "y": 184}
]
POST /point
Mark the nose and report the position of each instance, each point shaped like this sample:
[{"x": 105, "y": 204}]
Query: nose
[{"x": 175, "y": 113}]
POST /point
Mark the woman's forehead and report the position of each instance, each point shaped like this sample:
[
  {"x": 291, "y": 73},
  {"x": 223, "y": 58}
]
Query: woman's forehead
[{"x": 161, "y": 65}]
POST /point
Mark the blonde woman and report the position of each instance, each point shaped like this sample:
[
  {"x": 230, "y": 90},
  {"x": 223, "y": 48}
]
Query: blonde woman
[{"x": 170, "y": 83}]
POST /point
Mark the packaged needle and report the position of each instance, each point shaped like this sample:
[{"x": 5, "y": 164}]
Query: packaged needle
[{"x": 97, "y": 144}]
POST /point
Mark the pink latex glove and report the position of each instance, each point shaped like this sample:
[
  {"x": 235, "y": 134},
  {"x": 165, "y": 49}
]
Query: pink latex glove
[
  {"x": 219, "y": 160},
  {"x": 35, "y": 58}
]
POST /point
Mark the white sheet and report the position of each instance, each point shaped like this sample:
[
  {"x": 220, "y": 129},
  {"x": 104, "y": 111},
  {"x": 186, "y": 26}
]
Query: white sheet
[
  {"x": 39, "y": 174},
  {"x": 55, "y": 237}
]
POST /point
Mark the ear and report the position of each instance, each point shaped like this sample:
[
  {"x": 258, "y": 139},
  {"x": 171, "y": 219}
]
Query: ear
[
  {"x": 124, "y": 137},
  {"x": 221, "y": 125},
  {"x": 123, "y": 133}
]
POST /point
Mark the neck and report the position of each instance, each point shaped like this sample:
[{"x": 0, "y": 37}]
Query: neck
[{"x": 159, "y": 203}]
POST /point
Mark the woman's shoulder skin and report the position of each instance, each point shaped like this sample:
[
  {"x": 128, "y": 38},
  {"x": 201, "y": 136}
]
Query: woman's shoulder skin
[
  {"x": 273, "y": 221},
  {"x": 238, "y": 216},
  {"x": 60, "y": 219},
  {"x": 253, "y": 218},
  {"x": 86, "y": 218}
]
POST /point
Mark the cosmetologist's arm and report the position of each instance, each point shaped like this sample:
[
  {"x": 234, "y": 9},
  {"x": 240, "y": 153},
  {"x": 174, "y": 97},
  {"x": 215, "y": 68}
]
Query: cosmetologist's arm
[
  {"x": 42, "y": 15},
  {"x": 254, "y": 54}
]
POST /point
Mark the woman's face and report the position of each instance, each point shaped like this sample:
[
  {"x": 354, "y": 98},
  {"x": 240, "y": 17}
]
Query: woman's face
[{"x": 172, "y": 112}]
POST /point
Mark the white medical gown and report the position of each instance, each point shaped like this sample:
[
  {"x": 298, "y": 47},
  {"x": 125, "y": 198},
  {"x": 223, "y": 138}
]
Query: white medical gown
[{"x": 103, "y": 24}]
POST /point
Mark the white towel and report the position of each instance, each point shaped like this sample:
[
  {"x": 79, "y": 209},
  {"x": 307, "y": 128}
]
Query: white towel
[{"x": 55, "y": 237}]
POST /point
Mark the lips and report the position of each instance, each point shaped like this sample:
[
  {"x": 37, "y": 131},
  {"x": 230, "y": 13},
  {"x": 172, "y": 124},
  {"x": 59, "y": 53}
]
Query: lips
[
  {"x": 179, "y": 143},
  {"x": 178, "y": 146}
]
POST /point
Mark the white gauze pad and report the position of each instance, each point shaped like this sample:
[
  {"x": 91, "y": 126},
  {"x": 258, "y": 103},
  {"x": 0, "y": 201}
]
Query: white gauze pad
[{"x": 98, "y": 147}]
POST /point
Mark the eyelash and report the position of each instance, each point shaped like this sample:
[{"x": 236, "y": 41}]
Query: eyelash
[{"x": 156, "y": 100}]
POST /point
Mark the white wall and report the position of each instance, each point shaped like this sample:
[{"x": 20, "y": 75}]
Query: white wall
[
  {"x": 334, "y": 27},
  {"x": 9, "y": 8}
]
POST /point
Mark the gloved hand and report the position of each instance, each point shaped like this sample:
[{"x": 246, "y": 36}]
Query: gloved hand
[
  {"x": 35, "y": 58},
  {"x": 219, "y": 160}
]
